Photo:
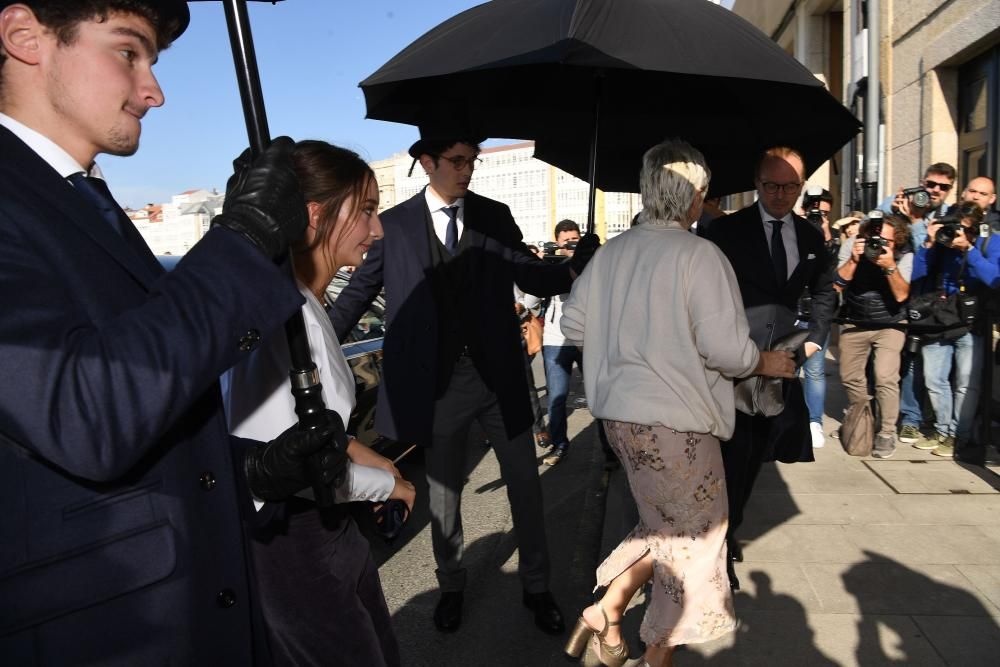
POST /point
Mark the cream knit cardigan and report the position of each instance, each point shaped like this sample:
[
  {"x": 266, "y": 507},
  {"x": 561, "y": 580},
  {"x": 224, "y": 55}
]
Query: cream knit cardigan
[{"x": 659, "y": 314}]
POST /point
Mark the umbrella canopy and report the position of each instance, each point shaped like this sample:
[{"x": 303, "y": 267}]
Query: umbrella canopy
[{"x": 647, "y": 69}]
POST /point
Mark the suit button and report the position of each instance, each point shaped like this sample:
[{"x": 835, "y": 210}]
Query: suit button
[
  {"x": 249, "y": 340},
  {"x": 207, "y": 480},
  {"x": 226, "y": 598}
]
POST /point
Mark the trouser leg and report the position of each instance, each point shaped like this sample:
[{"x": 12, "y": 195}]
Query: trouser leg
[
  {"x": 937, "y": 369},
  {"x": 445, "y": 464},
  {"x": 855, "y": 346},
  {"x": 558, "y": 366},
  {"x": 888, "y": 344},
  {"x": 519, "y": 470}
]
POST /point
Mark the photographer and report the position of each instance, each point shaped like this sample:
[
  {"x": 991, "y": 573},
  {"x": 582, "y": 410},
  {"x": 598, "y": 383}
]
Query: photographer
[
  {"x": 920, "y": 205},
  {"x": 957, "y": 256},
  {"x": 924, "y": 203},
  {"x": 874, "y": 277},
  {"x": 558, "y": 354},
  {"x": 816, "y": 205}
]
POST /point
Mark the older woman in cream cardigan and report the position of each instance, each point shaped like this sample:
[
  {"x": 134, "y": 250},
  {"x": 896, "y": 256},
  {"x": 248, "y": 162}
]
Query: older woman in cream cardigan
[{"x": 659, "y": 315}]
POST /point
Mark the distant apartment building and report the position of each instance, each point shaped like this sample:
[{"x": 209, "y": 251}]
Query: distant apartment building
[
  {"x": 538, "y": 194},
  {"x": 173, "y": 228}
]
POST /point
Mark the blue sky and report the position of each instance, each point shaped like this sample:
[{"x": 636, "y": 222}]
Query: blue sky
[{"x": 311, "y": 53}]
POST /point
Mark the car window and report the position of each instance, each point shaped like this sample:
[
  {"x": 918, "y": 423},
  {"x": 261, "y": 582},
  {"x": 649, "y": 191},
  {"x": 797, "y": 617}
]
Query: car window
[{"x": 372, "y": 324}]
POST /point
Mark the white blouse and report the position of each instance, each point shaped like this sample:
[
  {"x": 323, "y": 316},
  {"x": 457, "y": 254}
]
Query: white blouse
[{"x": 259, "y": 404}]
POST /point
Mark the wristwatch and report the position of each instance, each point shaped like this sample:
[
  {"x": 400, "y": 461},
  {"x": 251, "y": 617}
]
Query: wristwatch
[{"x": 891, "y": 270}]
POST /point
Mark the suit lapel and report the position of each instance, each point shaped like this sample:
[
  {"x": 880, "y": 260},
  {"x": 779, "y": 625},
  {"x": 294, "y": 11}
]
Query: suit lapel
[
  {"x": 799, "y": 276},
  {"x": 46, "y": 185}
]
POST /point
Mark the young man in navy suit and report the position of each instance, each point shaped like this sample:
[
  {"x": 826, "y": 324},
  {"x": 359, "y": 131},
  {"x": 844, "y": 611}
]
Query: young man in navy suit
[
  {"x": 448, "y": 263},
  {"x": 125, "y": 503}
]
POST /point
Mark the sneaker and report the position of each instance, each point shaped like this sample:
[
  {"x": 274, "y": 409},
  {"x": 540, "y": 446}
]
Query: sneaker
[
  {"x": 557, "y": 454},
  {"x": 909, "y": 434},
  {"x": 817, "y": 434},
  {"x": 885, "y": 446},
  {"x": 945, "y": 447},
  {"x": 929, "y": 443}
]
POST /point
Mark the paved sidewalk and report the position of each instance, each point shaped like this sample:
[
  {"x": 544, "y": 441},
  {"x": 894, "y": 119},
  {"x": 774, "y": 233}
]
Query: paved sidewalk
[{"x": 856, "y": 561}]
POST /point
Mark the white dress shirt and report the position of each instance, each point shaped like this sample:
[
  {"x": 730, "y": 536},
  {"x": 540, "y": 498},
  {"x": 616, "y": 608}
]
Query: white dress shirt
[
  {"x": 259, "y": 404},
  {"x": 48, "y": 150},
  {"x": 440, "y": 218}
]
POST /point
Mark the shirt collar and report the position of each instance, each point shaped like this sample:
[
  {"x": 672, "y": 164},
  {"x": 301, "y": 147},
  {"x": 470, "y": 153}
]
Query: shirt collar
[
  {"x": 435, "y": 203},
  {"x": 767, "y": 217},
  {"x": 48, "y": 150}
]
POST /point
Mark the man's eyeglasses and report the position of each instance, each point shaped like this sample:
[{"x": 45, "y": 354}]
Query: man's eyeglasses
[
  {"x": 787, "y": 188},
  {"x": 943, "y": 187},
  {"x": 460, "y": 162}
]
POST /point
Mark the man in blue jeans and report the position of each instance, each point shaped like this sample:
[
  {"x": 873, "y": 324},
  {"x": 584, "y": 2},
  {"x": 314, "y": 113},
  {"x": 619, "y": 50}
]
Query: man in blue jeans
[
  {"x": 558, "y": 355},
  {"x": 939, "y": 178},
  {"x": 957, "y": 260},
  {"x": 816, "y": 206}
]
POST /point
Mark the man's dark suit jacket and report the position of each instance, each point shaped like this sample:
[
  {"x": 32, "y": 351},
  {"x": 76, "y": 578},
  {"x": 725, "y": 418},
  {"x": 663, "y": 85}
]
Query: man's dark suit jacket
[
  {"x": 741, "y": 238},
  {"x": 121, "y": 530},
  {"x": 493, "y": 258}
]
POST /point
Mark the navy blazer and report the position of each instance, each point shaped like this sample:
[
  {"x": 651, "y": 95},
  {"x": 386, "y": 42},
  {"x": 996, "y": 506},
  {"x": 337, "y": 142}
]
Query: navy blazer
[
  {"x": 121, "y": 537},
  {"x": 741, "y": 238},
  {"x": 401, "y": 262}
]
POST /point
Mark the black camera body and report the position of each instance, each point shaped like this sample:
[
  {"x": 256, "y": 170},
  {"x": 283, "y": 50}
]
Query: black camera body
[
  {"x": 919, "y": 196},
  {"x": 551, "y": 251},
  {"x": 815, "y": 214},
  {"x": 951, "y": 227},
  {"x": 875, "y": 245}
]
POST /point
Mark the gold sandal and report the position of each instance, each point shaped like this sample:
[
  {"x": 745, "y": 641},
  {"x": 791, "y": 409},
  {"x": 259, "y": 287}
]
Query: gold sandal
[{"x": 610, "y": 656}]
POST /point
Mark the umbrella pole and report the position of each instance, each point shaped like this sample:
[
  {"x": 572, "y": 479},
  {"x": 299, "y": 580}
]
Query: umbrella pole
[
  {"x": 306, "y": 387},
  {"x": 592, "y": 196}
]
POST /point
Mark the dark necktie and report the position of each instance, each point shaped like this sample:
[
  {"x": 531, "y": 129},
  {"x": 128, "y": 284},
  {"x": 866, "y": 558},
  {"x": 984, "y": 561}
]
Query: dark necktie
[
  {"x": 778, "y": 257},
  {"x": 96, "y": 191},
  {"x": 451, "y": 233}
]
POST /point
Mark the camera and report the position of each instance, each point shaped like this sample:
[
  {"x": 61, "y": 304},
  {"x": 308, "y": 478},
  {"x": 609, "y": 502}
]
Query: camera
[
  {"x": 919, "y": 196},
  {"x": 874, "y": 243},
  {"x": 552, "y": 251},
  {"x": 951, "y": 225},
  {"x": 815, "y": 214}
]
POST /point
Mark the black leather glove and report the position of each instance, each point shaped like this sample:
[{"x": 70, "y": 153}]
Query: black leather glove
[
  {"x": 264, "y": 202},
  {"x": 585, "y": 249},
  {"x": 297, "y": 459}
]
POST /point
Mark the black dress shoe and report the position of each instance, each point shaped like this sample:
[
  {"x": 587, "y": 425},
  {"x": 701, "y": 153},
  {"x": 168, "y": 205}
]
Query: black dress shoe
[
  {"x": 735, "y": 550},
  {"x": 547, "y": 614},
  {"x": 448, "y": 613},
  {"x": 734, "y": 582}
]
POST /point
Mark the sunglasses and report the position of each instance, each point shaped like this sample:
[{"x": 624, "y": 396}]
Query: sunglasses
[{"x": 943, "y": 187}]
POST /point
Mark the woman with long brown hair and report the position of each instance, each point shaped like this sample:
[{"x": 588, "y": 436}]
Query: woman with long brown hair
[{"x": 318, "y": 584}]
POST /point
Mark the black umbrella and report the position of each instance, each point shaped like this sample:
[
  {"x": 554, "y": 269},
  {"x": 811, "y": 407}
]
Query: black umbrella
[{"x": 597, "y": 82}]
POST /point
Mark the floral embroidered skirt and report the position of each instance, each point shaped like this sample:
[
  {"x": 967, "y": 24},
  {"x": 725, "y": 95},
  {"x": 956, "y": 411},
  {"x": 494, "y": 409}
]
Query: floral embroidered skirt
[{"x": 679, "y": 487}]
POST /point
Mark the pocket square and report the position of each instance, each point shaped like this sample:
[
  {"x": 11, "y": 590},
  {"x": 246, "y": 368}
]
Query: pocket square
[{"x": 810, "y": 256}]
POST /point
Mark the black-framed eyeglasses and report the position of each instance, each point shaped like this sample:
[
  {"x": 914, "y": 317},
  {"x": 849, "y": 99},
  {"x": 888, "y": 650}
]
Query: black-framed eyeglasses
[
  {"x": 943, "y": 187},
  {"x": 787, "y": 188},
  {"x": 460, "y": 162}
]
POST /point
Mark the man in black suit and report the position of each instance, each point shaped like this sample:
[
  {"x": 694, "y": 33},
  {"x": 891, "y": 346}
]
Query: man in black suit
[
  {"x": 448, "y": 263},
  {"x": 777, "y": 257},
  {"x": 123, "y": 499}
]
